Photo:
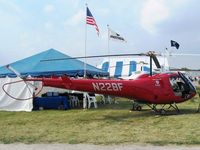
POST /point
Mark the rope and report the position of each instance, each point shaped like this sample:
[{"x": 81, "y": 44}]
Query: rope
[{"x": 21, "y": 99}]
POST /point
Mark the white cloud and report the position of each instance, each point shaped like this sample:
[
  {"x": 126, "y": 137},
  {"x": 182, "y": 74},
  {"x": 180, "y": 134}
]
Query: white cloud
[
  {"x": 179, "y": 3},
  {"x": 76, "y": 19},
  {"x": 49, "y": 8},
  {"x": 23, "y": 38},
  {"x": 49, "y": 26},
  {"x": 103, "y": 11},
  {"x": 11, "y": 5},
  {"x": 104, "y": 35},
  {"x": 152, "y": 13}
]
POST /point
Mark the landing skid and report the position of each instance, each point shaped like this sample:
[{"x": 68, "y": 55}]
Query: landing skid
[{"x": 162, "y": 110}]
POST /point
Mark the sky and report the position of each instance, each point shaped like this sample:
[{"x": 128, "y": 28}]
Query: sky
[{"x": 28, "y": 27}]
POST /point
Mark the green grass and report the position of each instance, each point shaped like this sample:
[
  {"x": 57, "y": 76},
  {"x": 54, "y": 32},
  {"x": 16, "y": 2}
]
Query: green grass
[{"x": 109, "y": 124}]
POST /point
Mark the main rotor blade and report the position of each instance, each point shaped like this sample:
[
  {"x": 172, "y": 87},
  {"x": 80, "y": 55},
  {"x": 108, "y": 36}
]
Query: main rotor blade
[
  {"x": 155, "y": 59},
  {"x": 95, "y": 56},
  {"x": 182, "y": 54}
]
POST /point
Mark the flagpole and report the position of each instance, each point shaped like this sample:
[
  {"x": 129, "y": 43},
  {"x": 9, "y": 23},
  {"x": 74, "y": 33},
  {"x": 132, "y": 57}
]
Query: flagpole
[
  {"x": 163, "y": 69},
  {"x": 167, "y": 52},
  {"x": 108, "y": 49},
  {"x": 85, "y": 44}
]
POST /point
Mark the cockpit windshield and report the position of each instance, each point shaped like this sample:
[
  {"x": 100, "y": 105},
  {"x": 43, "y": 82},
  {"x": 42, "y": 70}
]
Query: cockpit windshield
[
  {"x": 187, "y": 81},
  {"x": 181, "y": 85}
]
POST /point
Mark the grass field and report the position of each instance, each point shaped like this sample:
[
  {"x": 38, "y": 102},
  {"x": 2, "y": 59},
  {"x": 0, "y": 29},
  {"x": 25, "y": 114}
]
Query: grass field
[{"x": 109, "y": 124}]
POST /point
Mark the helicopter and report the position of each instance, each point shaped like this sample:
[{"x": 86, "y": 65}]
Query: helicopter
[{"x": 150, "y": 89}]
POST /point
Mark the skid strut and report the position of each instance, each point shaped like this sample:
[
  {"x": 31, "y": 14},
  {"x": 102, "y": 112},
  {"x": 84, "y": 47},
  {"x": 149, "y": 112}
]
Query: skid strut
[
  {"x": 174, "y": 106},
  {"x": 162, "y": 110}
]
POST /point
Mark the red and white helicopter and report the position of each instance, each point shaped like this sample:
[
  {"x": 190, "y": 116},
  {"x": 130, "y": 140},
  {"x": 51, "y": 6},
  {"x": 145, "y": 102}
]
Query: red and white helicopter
[{"x": 152, "y": 89}]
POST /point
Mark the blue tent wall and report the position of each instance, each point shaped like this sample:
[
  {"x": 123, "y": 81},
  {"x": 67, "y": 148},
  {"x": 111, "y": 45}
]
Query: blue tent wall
[{"x": 36, "y": 66}]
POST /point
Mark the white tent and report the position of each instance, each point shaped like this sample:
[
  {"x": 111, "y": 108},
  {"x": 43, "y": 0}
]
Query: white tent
[{"x": 18, "y": 90}]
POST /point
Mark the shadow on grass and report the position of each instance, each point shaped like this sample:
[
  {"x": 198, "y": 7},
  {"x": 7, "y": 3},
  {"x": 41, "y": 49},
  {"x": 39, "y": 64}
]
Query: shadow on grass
[
  {"x": 128, "y": 106},
  {"x": 126, "y": 116},
  {"x": 188, "y": 111},
  {"x": 123, "y": 105},
  {"x": 189, "y": 107},
  {"x": 146, "y": 113}
]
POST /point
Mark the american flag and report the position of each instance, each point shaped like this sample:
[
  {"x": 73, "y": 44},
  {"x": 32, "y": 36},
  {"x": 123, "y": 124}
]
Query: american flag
[{"x": 91, "y": 21}]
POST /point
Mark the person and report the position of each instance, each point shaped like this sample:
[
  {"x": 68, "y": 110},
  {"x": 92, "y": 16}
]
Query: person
[
  {"x": 173, "y": 82},
  {"x": 185, "y": 89}
]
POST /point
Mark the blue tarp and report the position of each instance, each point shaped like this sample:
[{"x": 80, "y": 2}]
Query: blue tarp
[{"x": 35, "y": 66}]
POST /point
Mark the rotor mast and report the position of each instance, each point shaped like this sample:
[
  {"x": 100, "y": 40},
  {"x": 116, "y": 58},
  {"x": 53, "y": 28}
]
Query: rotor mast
[{"x": 153, "y": 57}]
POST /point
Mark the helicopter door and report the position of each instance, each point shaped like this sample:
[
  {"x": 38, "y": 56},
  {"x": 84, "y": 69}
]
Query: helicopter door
[
  {"x": 189, "y": 87},
  {"x": 181, "y": 85},
  {"x": 175, "y": 83}
]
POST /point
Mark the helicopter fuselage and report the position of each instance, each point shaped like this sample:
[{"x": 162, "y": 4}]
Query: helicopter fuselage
[{"x": 155, "y": 89}]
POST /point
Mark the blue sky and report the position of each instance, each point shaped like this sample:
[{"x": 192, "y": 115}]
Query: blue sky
[{"x": 31, "y": 26}]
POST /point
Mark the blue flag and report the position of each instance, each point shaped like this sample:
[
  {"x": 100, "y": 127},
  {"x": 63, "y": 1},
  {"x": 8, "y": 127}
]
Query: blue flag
[{"x": 175, "y": 44}]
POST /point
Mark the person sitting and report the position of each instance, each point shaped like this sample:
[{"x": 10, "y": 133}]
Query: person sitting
[{"x": 185, "y": 89}]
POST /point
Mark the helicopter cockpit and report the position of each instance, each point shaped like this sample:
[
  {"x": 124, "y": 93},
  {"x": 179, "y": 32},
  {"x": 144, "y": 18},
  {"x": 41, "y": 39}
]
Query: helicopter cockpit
[{"x": 181, "y": 85}]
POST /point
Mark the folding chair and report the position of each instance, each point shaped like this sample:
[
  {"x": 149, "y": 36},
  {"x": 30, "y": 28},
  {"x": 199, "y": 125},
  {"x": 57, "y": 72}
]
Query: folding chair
[
  {"x": 90, "y": 99},
  {"x": 74, "y": 101}
]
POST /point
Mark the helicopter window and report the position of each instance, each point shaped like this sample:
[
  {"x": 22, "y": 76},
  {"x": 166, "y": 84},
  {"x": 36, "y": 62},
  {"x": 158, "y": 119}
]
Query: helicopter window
[
  {"x": 177, "y": 85},
  {"x": 188, "y": 86}
]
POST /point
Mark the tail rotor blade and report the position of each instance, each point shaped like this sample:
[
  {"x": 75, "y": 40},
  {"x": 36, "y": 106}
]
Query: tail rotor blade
[
  {"x": 20, "y": 76},
  {"x": 13, "y": 70}
]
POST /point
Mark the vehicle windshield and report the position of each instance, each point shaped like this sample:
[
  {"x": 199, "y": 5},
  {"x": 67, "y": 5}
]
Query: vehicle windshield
[
  {"x": 181, "y": 85},
  {"x": 187, "y": 81}
]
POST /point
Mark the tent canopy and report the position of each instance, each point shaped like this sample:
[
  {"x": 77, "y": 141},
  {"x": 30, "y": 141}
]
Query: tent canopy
[{"x": 35, "y": 66}]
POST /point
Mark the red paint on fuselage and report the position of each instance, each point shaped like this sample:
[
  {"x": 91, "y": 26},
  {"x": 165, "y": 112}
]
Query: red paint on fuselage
[{"x": 154, "y": 89}]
